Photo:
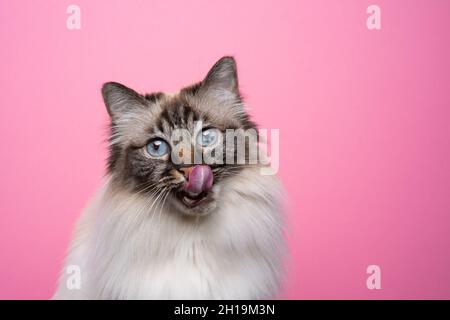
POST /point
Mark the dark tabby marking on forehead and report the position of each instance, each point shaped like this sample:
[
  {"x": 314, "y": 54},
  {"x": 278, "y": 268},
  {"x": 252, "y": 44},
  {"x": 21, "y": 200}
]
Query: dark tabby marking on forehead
[
  {"x": 129, "y": 163},
  {"x": 177, "y": 114}
]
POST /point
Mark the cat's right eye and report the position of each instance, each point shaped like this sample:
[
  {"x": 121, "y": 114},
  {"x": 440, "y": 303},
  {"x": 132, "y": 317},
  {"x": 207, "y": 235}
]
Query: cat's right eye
[{"x": 157, "y": 148}]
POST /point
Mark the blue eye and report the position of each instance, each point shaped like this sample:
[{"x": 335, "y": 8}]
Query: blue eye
[
  {"x": 208, "y": 137},
  {"x": 157, "y": 148}
]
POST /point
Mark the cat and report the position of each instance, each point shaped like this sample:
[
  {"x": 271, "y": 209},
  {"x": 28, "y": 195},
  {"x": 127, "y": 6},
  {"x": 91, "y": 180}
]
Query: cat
[{"x": 161, "y": 227}]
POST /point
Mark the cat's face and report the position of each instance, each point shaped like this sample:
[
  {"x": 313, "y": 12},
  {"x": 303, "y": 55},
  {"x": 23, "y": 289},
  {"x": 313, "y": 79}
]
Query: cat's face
[{"x": 176, "y": 148}]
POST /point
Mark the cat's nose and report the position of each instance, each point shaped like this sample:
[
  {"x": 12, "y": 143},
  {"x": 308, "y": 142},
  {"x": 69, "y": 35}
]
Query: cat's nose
[
  {"x": 199, "y": 178},
  {"x": 186, "y": 171}
]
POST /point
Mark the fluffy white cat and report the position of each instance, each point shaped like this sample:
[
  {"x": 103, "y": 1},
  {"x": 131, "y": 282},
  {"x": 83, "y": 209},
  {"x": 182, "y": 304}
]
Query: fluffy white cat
[{"x": 159, "y": 230}]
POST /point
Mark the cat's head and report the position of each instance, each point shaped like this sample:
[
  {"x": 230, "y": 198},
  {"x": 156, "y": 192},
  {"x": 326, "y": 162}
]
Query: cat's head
[{"x": 179, "y": 148}]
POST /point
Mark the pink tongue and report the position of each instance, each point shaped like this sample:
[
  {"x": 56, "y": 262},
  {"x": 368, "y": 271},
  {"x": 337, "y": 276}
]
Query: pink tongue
[{"x": 200, "y": 179}]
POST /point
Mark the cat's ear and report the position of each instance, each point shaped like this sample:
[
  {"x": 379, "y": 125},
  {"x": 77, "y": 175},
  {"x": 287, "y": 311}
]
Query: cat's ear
[
  {"x": 222, "y": 76},
  {"x": 120, "y": 100}
]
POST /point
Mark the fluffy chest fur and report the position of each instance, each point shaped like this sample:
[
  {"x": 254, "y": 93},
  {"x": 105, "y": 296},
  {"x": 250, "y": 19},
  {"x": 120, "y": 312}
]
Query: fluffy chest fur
[{"x": 129, "y": 247}]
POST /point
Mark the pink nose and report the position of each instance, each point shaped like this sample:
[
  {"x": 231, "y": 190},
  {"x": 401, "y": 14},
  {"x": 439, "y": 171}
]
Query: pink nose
[{"x": 199, "y": 179}]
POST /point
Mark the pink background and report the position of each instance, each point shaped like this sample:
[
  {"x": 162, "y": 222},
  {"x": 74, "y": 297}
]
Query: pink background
[{"x": 363, "y": 118}]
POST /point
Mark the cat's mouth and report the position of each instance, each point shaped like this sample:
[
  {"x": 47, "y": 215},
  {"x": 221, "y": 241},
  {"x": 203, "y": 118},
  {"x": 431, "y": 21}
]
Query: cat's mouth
[
  {"x": 192, "y": 200},
  {"x": 199, "y": 182}
]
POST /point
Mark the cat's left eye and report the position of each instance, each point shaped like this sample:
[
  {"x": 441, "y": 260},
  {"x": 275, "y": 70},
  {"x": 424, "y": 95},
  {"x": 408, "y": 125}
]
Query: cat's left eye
[{"x": 208, "y": 137}]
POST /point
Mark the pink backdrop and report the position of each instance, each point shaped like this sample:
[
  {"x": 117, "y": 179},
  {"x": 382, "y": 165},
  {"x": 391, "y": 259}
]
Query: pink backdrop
[{"x": 363, "y": 118}]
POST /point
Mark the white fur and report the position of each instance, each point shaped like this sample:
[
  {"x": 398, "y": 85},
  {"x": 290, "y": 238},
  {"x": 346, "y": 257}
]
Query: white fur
[{"x": 127, "y": 250}]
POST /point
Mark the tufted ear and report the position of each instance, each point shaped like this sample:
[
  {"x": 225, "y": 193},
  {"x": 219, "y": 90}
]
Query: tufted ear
[
  {"x": 223, "y": 76},
  {"x": 121, "y": 100}
]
